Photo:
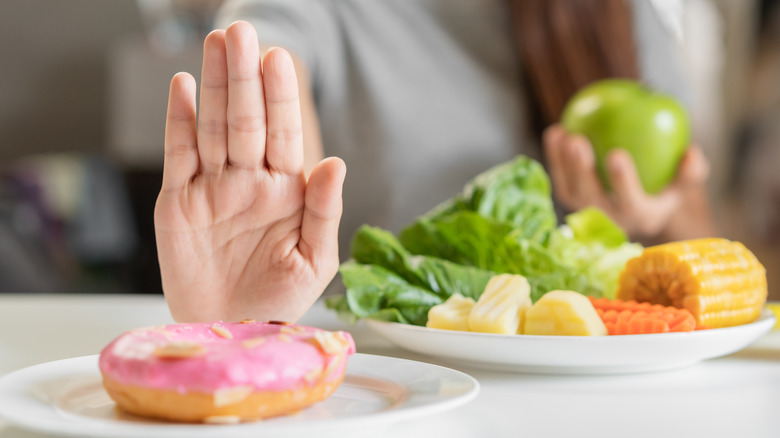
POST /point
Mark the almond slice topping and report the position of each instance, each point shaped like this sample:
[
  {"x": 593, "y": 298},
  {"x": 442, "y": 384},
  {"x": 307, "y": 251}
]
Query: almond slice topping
[
  {"x": 229, "y": 396},
  {"x": 253, "y": 342},
  {"x": 330, "y": 342},
  {"x": 332, "y": 365},
  {"x": 222, "y": 332},
  {"x": 179, "y": 350},
  {"x": 312, "y": 375},
  {"x": 247, "y": 321},
  {"x": 292, "y": 330}
]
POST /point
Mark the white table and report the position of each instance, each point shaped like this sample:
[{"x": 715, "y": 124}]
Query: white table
[{"x": 734, "y": 396}]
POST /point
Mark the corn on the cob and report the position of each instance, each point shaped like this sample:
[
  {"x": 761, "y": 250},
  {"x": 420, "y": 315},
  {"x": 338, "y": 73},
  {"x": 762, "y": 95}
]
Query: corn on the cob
[
  {"x": 564, "y": 313},
  {"x": 501, "y": 307},
  {"x": 719, "y": 281},
  {"x": 633, "y": 318},
  {"x": 452, "y": 314}
]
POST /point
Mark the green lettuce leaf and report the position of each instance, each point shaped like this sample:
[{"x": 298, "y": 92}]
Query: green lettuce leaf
[
  {"x": 374, "y": 246},
  {"x": 591, "y": 225},
  {"x": 470, "y": 239},
  {"x": 375, "y": 292},
  {"x": 595, "y": 246},
  {"x": 516, "y": 193},
  {"x": 502, "y": 222},
  {"x": 385, "y": 281}
]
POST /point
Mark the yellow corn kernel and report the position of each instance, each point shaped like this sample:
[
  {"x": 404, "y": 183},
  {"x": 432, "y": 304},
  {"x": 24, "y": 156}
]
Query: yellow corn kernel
[
  {"x": 452, "y": 314},
  {"x": 501, "y": 307},
  {"x": 719, "y": 281},
  {"x": 563, "y": 313}
]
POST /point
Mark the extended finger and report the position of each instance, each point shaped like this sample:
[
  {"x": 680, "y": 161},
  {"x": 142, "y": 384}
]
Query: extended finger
[
  {"x": 552, "y": 142},
  {"x": 246, "y": 105},
  {"x": 181, "y": 151},
  {"x": 212, "y": 119},
  {"x": 284, "y": 144},
  {"x": 584, "y": 184},
  {"x": 694, "y": 168},
  {"x": 624, "y": 179},
  {"x": 321, "y": 216}
]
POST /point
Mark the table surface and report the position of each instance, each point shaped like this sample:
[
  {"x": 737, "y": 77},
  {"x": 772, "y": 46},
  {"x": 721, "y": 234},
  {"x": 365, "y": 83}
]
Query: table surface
[{"x": 733, "y": 396}]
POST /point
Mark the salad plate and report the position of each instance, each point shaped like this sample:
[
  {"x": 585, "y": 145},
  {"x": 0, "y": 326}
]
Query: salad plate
[
  {"x": 574, "y": 354},
  {"x": 66, "y": 397}
]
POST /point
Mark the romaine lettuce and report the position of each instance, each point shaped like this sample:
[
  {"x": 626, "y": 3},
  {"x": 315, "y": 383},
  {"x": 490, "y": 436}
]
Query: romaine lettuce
[{"x": 503, "y": 221}]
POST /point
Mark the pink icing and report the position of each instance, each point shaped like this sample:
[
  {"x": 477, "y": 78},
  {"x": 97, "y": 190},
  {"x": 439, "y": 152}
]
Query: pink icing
[{"x": 285, "y": 360}]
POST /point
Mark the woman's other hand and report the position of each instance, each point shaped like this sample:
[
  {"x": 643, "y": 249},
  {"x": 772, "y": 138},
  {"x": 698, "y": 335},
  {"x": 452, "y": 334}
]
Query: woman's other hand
[
  {"x": 680, "y": 211},
  {"x": 240, "y": 231}
]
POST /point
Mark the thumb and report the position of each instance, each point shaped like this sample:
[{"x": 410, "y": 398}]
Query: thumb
[{"x": 321, "y": 216}]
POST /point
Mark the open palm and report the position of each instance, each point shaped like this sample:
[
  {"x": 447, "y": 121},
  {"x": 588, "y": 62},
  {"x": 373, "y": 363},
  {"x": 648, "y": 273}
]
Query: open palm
[{"x": 240, "y": 231}]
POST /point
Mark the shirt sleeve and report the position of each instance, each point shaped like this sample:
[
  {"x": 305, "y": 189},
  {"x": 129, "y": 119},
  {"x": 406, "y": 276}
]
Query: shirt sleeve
[
  {"x": 660, "y": 55},
  {"x": 307, "y": 28}
]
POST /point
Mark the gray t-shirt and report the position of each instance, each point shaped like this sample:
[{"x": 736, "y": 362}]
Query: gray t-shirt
[{"x": 416, "y": 96}]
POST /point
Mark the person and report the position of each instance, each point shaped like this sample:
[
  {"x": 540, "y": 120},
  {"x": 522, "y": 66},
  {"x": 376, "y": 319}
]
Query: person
[
  {"x": 419, "y": 96},
  {"x": 248, "y": 216}
]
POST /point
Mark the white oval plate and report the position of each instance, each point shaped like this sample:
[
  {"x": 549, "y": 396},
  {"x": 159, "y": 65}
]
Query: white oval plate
[
  {"x": 66, "y": 397},
  {"x": 574, "y": 354}
]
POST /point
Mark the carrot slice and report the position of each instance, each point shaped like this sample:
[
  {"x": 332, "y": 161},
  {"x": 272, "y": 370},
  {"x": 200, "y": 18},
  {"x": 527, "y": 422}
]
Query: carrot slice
[{"x": 633, "y": 318}]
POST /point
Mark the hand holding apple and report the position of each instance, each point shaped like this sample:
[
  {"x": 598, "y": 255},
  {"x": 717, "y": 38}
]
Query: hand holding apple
[
  {"x": 616, "y": 113},
  {"x": 676, "y": 211}
]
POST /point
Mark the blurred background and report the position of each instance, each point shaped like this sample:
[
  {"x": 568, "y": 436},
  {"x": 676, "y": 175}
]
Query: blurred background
[{"x": 83, "y": 90}]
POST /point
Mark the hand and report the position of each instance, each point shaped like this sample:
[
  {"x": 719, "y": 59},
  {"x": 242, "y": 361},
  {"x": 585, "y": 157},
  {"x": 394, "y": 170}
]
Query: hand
[
  {"x": 240, "y": 231},
  {"x": 644, "y": 217}
]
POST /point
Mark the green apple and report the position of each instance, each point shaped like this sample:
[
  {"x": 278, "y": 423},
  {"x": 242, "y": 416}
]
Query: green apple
[{"x": 618, "y": 113}]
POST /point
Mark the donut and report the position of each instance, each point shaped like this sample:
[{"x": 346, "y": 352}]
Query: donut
[{"x": 223, "y": 372}]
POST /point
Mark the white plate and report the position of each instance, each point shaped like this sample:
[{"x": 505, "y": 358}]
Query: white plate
[
  {"x": 66, "y": 397},
  {"x": 574, "y": 354}
]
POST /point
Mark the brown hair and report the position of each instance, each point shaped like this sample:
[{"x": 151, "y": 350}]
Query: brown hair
[{"x": 566, "y": 44}]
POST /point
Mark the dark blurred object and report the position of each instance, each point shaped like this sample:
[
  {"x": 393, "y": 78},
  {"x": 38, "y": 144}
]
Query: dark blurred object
[
  {"x": 26, "y": 260},
  {"x": 67, "y": 225},
  {"x": 142, "y": 271},
  {"x": 758, "y": 152},
  {"x": 765, "y": 10}
]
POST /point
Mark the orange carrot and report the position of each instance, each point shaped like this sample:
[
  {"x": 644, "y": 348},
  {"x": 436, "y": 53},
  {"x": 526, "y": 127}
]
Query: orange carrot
[{"x": 633, "y": 318}]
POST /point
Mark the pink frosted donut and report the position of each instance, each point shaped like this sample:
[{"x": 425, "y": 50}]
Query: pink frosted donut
[{"x": 223, "y": 372}]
